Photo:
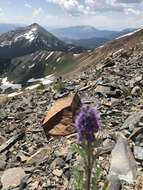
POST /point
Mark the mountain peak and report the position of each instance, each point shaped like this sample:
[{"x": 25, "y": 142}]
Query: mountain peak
[
  {"x": 30, "y": 39},
  {"x": 35, "y": 25}
]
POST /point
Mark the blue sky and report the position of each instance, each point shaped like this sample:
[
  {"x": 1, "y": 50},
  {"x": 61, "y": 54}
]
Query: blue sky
[{"x": 103, "y": 14}]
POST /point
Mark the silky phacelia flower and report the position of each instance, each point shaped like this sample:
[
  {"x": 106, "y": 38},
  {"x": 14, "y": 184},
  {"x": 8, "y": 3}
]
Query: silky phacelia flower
[{"x": 87, "y": 123}]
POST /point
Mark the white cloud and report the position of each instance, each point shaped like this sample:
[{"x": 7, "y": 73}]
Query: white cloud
[
  {"x": 37, "y": 11},
  {"x": 132, "y": 11},
  {"x": 73, "y": 7},
  {"x": 129, "y": 1},
  {"x": 1, "y": 12},
  {"x": 93, "y": 6},
  {"x": 28, "y": 5}
]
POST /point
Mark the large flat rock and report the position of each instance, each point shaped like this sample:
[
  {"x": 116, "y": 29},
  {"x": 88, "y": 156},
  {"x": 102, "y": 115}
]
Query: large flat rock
[{"x": 12, "y": 177}]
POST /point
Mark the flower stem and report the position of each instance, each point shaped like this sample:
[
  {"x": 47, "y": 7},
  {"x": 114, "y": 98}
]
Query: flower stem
[{"x": 89, "y": 169}]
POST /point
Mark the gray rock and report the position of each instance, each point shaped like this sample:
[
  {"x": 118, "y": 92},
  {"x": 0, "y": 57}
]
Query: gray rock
[
  {"x": 11, "y": 142},
  {"x": 12, "y": 177},
  {"x": 123, "y": 164},
  {"x": 60, "y": 95},
  {"x": 114, "y": 183},
  {"x": 108, "y": 90},
  {"x": 136, "y": 81},
  {"x": 2, "y": 161},
  {"x": 58, "y": 172},
  {"x": 136, "y": 91},
  {"x": 133, "y": 120},
  {"x": 40, "y": 155},
  {"x": 138, "y": 152},
  {"x": 58, "y": 162}
]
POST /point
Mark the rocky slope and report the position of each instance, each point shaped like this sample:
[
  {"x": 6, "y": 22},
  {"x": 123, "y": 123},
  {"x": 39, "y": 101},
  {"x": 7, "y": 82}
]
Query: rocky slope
[
  {"x": 131, "y": 40},
  {"x": 115, "y": 85}
]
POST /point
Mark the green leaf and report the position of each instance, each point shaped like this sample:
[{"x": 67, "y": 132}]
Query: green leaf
[{"x": 78, "y": 179}]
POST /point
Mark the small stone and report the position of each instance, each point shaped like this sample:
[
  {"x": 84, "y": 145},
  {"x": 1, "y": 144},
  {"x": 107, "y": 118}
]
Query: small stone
[
  {"x": 58, "y": 162},
  {"x": 40, "y": 155},
  {"x": 139, "y": 183},
  {"x": 136, "y": 91},
  {"x": 133, "y": 120},
  {"x": 12, "y": 177},
  {"x": 138, "y": 152},
  {"x": 2, "y": 139},
  {"x": 136, "y": 132},
  {"x": 34, "y": 186},
  {"x": 58, "y": 172},
  {"x": 13, "y": 140},
  {"x": 22, "y": 157},
  {"x": 63, "y": 152},
  {"x": 60, "y": 95},
  {"x": 2, "y": 161}
]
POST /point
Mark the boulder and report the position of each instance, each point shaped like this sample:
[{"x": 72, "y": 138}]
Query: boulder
[
  {"x": 123, "y": 164},
  {"x": 60, "y": 118},
  {"x": 12, "y": 177}
]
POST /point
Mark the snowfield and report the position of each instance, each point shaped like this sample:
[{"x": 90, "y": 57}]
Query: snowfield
[
  {"x": 5, "y": 84},
  {"x": 46, "y": 80}
]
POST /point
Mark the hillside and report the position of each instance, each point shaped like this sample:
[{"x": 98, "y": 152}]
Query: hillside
[
  {"x": 131, "y": 40},
  {"x": 48, "y": 162},
  {"x": 42, "y": 63},
  {"x": 90, "y": 43}
]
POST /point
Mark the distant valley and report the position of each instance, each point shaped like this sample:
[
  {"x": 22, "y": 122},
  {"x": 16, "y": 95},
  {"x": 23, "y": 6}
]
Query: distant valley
[{"x": 87, "y": 36}]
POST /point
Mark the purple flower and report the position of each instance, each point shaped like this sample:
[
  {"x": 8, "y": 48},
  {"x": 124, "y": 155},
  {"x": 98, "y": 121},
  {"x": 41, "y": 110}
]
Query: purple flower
[{"x": 87, "y": 123}]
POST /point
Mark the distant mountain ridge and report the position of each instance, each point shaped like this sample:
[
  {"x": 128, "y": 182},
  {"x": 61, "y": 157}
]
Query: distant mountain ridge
[
  {"x": 5, "y": 27},
  {"x": 88, "y": 36},
  {"x": 26, "y": 40},
  {"x": 32, "y": 51},
  {"x": 87, "y": 32}
]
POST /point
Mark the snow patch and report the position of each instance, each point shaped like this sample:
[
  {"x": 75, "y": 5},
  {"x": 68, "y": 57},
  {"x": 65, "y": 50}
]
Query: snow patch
[
  {"x": 32, "y": 87},
  {"x": 5, "y": 43},
  {"x": 129, "y": 34},
  {"x": 51, "y": 53},
  {"x": 46, "y": 80},
  {"x": 42, "y": 56},
  {"x": 58, "y": 59},
  {"x": 31, "y": 66},
  {"x": 5, "y": 84},
  {"x": 76, "y": 54},
  {"x": 119, "y": 51},
  {"x": 30, "y": 35}
]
